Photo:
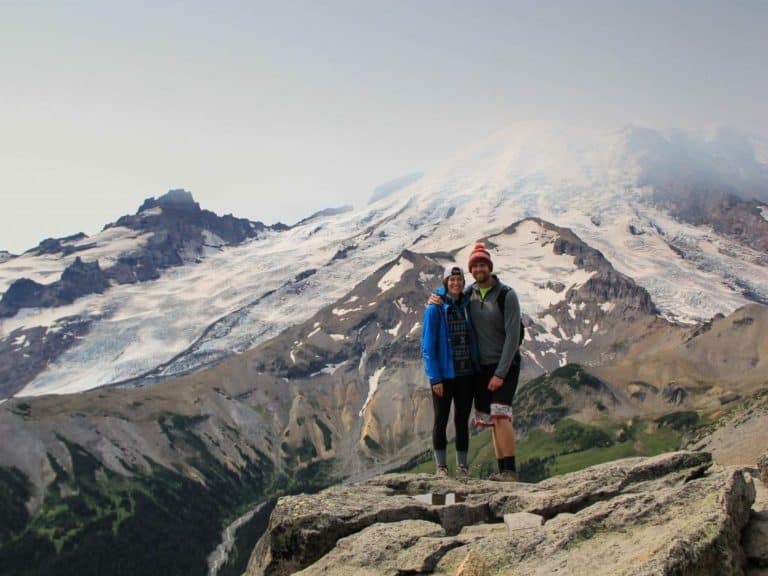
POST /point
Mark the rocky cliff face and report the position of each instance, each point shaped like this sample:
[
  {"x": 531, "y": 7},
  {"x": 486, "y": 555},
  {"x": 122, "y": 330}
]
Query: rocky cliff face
[
  {"x": 78, "y": 279},
  {"x": 672, "y": 514}
]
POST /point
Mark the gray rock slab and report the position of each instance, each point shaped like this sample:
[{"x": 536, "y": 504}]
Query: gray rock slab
[
  {"x": 382, "y": 549},
  {"x": 523, "y": 521},
  {"x": 694, "y": 528},
  {"x": 668, "y": 514},
  {"x": 303, "y": 528},
  {"x": 484, "y": 530}
]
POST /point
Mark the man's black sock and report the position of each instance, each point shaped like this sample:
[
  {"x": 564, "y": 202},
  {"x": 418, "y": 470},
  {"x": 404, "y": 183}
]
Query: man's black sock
[
  {"x": 509, "y": 463},
  {"x": 500, "y": 462}
]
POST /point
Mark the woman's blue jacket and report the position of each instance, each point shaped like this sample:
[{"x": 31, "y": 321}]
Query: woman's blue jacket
[{"x": 435, "y": 340}]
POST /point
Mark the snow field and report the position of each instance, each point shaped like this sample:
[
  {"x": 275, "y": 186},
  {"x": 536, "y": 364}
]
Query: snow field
[
  {"x": 329, "y": 369},
  {"x": 526, "y": 261},
  {"x": 394, "y": 331},
  {"x": 394, "y": 274},
  {"x": 373, "y": 385}
]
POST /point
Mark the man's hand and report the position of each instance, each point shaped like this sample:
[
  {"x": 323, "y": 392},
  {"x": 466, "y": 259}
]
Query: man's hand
[
  {"x": 437, "y": 389},
  {"x": 495, "y": 383},
  {"x": 435, "y": 299}
]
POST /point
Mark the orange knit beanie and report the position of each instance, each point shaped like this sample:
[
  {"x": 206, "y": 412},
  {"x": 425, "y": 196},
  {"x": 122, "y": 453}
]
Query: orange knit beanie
[{"x": 479, "y": 252}]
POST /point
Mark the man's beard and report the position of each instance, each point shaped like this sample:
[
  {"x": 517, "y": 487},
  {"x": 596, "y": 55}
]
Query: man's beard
[{"x": 481, "y": 277}]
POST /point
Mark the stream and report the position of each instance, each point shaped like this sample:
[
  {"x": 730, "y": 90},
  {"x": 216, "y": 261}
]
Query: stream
[{"x": 220, "y": 555}]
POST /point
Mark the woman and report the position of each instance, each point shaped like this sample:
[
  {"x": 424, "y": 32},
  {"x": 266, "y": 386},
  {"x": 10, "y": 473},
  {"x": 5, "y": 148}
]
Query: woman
[{"x": 447, "y": 348}]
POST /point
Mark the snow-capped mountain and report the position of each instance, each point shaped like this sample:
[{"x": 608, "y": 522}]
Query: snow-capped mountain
[{"x": 600, "y": 186}]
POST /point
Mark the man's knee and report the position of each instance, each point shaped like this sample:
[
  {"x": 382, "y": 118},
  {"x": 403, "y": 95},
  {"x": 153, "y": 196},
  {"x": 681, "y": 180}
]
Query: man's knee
[{"x": 505, "y": 427}]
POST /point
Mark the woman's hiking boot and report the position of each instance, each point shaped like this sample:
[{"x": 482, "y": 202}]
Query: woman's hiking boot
[{"x": 442, "y": 472}]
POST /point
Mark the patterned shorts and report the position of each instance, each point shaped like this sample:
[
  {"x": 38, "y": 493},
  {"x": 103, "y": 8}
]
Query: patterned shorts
[{"x": 496, "y": 405}]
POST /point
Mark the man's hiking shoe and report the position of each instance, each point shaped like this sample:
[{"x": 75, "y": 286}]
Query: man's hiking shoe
[
  {"x": 462, "y": 472},
  {"x": 506, "y": 476},
  {"x": 442, "y": 472}
]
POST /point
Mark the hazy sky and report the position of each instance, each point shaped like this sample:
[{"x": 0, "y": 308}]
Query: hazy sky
[{"x": 272, "y": 111}]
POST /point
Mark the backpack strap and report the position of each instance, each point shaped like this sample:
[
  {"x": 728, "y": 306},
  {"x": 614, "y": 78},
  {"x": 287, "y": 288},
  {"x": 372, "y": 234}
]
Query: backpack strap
[{"x": 501, "y": 301}]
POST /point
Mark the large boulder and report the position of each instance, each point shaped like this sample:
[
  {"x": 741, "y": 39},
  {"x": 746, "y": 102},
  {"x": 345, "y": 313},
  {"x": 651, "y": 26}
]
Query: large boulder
[{"x": 670, "y": 514}]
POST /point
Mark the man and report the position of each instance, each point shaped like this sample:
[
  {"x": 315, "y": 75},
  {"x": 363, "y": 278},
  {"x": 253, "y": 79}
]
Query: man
[
  {"x": 497, "y": 326},
  {"x": 494, "y": 311}
]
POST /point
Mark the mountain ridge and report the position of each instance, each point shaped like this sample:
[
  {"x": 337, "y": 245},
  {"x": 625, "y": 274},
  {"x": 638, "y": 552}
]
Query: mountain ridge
[{"x": 588, "y": 184}]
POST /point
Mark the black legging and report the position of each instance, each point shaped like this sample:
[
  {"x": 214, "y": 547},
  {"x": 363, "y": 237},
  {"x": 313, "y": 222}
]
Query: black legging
[{"x": 458, "y": 391}]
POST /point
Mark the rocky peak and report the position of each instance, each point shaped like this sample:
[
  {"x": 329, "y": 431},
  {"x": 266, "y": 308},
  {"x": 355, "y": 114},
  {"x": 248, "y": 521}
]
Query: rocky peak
[
  {"x": 178, "y": 199},
  {"x": 178, "y": 232},
  {"x": 182, "y": 229}
]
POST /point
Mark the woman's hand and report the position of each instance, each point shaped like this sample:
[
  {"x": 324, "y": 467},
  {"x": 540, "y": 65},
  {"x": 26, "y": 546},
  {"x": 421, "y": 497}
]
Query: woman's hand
[{"x": 437, "y": 390}]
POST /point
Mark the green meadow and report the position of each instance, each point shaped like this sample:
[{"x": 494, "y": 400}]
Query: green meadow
[{"x": 567, "y": 446}]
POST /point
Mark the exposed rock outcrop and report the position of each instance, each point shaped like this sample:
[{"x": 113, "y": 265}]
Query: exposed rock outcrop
[
  {"x": 671, "y": 514},
  {"x": 28, "y": 351},
  {"x": 5, "y": 256},
  {"x": 78, "y": 279},
  {"x": 605, "y": 310},
  {"x": 61, "y": 245}
]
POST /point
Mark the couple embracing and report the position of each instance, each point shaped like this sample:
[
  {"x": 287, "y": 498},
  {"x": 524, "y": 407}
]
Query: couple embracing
[{"x": 470, "y": 346}]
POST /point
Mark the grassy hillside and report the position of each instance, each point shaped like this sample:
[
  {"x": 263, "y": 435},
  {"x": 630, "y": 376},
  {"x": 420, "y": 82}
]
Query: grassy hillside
[{"x": 568, "y": 446}]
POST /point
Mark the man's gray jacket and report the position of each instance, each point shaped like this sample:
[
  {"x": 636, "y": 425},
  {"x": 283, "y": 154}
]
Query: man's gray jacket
[{"x": 498, "y": 336}]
